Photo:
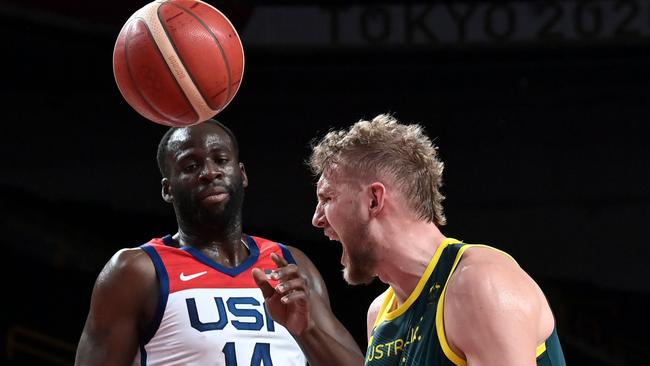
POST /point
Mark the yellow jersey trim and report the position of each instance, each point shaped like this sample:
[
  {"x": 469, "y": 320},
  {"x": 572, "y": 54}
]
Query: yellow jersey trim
[
  {"x": 389, "y": 309},
  {"x": 388, "y": 299},
  {"x": 440, "y": 324}
]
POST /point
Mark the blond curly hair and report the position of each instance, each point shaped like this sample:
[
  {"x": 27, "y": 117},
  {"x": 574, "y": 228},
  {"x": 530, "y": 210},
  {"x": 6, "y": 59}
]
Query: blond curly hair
[{"x": 384, "y": 146}]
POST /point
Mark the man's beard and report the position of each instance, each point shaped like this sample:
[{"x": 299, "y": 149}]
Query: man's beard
[
  {"x": 231, "y": 213},
  {"x": 362, "y": 261},
  {"x": 225, "y": 217}
]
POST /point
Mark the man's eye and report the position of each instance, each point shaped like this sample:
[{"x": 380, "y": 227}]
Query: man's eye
[{"x": 189, "y": 168}]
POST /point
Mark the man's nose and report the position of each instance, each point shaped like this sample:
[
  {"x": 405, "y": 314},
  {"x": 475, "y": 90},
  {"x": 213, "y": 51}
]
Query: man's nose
[
  {"x": 318, "y": 219},
  {"x": 210, "y": 171}
]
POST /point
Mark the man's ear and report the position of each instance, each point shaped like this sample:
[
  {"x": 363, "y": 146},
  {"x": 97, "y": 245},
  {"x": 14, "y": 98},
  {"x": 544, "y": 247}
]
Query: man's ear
[
  {"x": 377, "y": 192},
  {"x": 244, "y": 177},
  {"x": 166, "y": 191}
]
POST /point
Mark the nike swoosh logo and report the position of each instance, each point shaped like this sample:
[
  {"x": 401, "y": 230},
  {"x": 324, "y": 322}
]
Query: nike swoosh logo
[{"x": 192, "y": 276}]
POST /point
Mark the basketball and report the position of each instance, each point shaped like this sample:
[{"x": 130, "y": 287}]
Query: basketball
[{"x": 178, "y": 62}]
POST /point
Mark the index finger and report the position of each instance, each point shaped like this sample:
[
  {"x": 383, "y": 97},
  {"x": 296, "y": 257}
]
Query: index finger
[
  {"x": 262, "y": 282},
  {"x": 279, "y": 261}
]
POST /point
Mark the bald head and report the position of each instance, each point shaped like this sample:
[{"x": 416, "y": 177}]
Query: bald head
[{"x": 175, "y": 136}]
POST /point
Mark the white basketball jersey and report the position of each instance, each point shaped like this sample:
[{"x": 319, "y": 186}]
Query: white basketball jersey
[{"x": 209, "y": 314}]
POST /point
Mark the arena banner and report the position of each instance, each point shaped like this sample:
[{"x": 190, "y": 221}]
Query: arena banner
[{"x": 443, "y": 24}]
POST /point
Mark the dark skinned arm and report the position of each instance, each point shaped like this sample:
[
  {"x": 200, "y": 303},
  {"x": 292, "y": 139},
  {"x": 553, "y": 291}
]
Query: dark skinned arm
[
  {"x": 301, "y": 304},
  {"x": 122, "y": 304}
]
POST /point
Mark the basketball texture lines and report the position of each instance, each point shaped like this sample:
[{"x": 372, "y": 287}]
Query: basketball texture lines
[{"x": 178, "y": 62}]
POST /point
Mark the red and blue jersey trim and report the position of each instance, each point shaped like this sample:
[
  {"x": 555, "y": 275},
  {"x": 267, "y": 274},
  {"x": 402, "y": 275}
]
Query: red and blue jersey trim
[{"x": 248, "y": 263}]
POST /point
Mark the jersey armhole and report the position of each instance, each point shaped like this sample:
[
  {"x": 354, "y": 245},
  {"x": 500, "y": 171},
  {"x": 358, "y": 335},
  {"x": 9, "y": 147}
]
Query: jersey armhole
[
  {"x": 540, "y": 349},
  {"x": 389, "y": 300},
  {"x": 286, "y": 253},
  {"x": 163, "y": 280},
  {"x": 440, "y": 324}
]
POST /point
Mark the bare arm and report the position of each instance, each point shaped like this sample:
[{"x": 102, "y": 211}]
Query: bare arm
[
  {"x": 123, "y": 301},
  {"x": 303, "y": 307},
  {"x": 494, "y": 313}
]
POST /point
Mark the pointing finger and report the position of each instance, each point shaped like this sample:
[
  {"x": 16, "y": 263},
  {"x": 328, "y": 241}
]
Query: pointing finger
[
  {"x": 279, "y": 261},
  {"x": 262, "y": 282}
]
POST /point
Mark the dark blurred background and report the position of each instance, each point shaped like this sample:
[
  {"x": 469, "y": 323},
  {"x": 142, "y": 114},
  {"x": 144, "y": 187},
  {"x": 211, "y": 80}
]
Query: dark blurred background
[{"x": 540, "y": 110}]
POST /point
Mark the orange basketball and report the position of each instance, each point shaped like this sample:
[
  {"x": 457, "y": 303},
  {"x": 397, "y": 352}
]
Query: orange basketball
[{"x": 178, "y": 62}]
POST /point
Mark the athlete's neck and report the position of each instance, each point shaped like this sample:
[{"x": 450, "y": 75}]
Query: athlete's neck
[
  {"x": 407, "y": 252},
  {"x": 228, "y": 249}
]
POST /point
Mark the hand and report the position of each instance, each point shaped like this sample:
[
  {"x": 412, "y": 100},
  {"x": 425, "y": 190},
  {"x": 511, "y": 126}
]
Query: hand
[{"x": 287, "y": 303}]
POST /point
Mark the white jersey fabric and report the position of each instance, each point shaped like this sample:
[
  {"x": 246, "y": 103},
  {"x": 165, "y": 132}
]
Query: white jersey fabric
[{"x": 214, "y": 315}]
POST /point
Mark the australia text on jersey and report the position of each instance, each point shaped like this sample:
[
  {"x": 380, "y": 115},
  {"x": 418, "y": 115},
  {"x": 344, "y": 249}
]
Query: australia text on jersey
[{"x": 393, "y": 348}]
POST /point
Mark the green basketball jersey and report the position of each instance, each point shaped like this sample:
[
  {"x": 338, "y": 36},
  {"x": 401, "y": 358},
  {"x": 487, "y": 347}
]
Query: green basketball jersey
[{"x": 413, "y": 333}]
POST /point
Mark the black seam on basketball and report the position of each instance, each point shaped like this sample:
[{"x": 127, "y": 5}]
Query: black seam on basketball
[
  {"x": 128, "y": 67},
  {"x": 207, "y": 98}
]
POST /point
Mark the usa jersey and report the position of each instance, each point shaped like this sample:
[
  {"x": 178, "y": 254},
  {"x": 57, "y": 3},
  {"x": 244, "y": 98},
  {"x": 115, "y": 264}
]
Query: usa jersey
[{"x": 209, "y": 314}]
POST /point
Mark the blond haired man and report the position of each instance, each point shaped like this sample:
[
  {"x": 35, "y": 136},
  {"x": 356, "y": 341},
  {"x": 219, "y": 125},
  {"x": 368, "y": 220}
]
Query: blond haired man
[{"x": 448, "y": 303}]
